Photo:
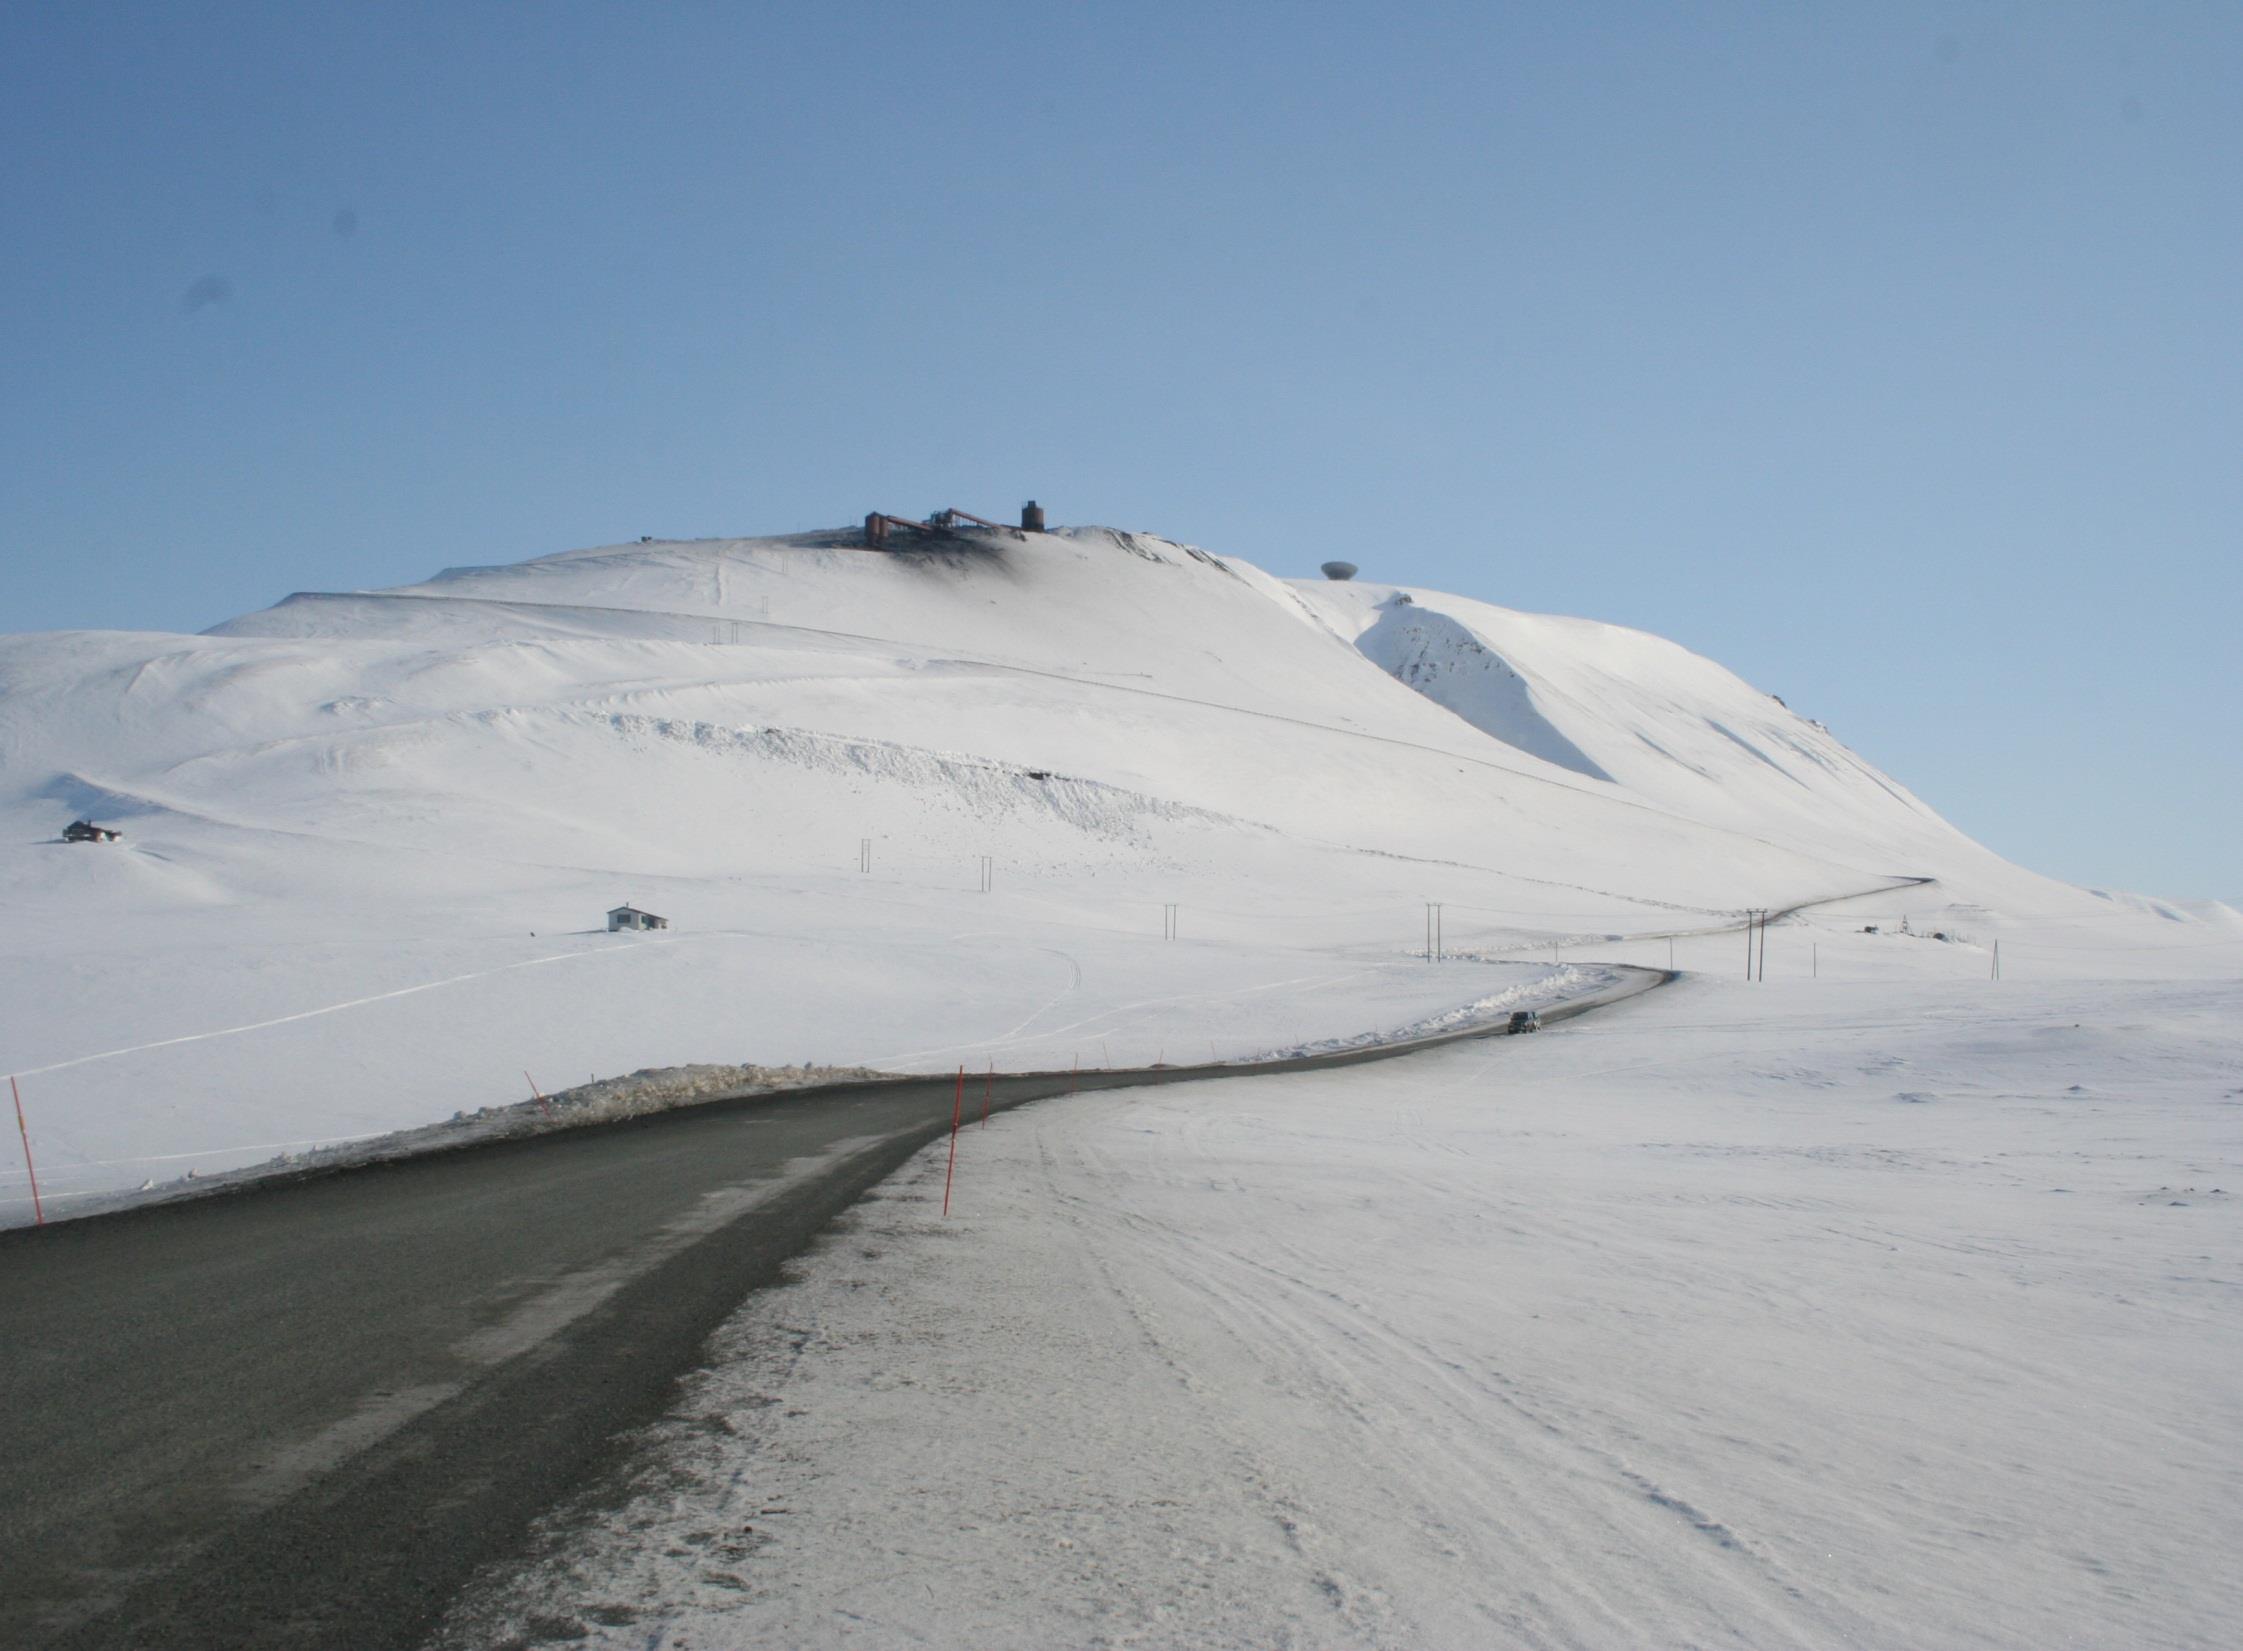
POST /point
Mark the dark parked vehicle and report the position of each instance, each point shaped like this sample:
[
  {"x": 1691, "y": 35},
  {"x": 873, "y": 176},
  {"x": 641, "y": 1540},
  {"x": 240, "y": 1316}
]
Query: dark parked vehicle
[{"x": 1524, "y": 1020}]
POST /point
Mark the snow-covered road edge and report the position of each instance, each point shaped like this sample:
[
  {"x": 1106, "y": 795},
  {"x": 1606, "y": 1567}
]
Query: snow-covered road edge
[{"x": 658, "y": 1090}]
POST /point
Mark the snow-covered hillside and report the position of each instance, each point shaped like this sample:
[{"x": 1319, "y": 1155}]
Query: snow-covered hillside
[{"x": 369, "y": 837}]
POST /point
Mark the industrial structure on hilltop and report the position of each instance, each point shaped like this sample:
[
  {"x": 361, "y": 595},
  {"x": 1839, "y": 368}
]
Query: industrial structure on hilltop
[{"x": 881, "y": 532}]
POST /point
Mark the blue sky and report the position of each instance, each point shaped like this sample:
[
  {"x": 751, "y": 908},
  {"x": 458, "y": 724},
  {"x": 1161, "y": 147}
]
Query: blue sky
[{"x": 1888, "y": 353}]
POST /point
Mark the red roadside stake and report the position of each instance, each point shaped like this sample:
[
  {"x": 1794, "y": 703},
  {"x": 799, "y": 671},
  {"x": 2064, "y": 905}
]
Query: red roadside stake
[
  {"x": 957, "y": 1106},
  {"x": 38, "y": 1210},
  {"x": 540, "y": 1099}
]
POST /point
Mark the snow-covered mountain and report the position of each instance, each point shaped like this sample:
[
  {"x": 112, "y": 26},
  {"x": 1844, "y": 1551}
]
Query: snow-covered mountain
[{"x": 349, "y": 820}]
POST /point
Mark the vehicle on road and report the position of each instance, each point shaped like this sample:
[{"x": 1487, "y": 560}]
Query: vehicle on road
[{"x": 1524, "y": 1020}]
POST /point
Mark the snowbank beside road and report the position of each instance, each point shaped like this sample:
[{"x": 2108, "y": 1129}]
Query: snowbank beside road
[
  {"x": 1808, "y": 1315},
  {"x": 332, "y": 1081},
  {"x": 667, "y": 1089}
]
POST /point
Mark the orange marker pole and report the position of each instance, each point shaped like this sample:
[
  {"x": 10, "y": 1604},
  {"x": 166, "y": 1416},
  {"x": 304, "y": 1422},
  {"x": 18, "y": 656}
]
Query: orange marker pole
[
  {"x": 957, "y": 1106},
  {"x": 38, "y": 1210},
  {"x": 540, "y": 1099}
]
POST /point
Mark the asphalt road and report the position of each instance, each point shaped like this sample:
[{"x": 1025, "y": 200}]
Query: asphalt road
[{"x": 301, "y": 1415}]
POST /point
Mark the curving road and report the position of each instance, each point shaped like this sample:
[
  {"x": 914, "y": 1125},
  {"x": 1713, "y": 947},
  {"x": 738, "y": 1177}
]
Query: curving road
[{"x": 301, "y": 1415}]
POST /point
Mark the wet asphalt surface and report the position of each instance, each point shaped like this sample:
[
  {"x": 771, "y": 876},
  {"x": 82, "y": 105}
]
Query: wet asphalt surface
[{"x": 302, "y": 1415}]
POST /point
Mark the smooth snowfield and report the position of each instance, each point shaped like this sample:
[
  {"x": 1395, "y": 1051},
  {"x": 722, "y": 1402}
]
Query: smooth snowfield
[
  {"x": 1806, "y": 1314},
  {"x": 369, "y": 835}
]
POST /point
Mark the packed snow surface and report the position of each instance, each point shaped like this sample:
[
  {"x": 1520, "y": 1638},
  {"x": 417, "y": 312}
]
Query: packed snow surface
[
  {"x": 903, "y": 811},
  {"x": 1810, "y": 1314}
]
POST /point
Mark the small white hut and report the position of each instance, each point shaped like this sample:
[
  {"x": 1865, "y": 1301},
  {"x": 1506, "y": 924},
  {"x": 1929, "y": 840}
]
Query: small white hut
[{"x": 630, "y": 917}]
